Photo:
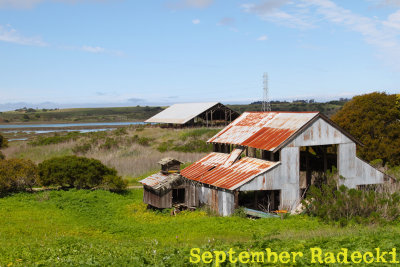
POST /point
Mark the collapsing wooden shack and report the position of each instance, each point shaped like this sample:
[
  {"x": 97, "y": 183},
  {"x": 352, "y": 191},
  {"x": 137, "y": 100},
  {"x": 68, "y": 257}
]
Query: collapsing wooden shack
[
  {"x": 167, "y": 187},
  {"x": 195, "y": 114},
  {"x": 267, "y": 161}
]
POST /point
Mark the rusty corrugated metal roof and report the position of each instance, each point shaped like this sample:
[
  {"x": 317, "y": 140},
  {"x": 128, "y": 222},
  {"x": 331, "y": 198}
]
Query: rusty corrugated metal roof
[
  {"x": 263, "y": 130},
  {"x": 154, "y": 179},
  {"x": 235, "y": 154},
  {"x": 181, "y": 113},
  {"x": 212, "y": 170}
]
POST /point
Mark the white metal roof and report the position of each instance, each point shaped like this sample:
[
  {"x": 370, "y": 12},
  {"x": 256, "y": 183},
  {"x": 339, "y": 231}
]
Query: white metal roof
[{"x": 181, "y": 113}]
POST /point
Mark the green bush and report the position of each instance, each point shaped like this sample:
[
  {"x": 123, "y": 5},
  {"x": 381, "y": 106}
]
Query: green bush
[
  {"x": 110, "y": 143},
  {"x": 82, "y": 148},
  {"x": 113, "y": 183},
  {"x": 144, "y": 141},
  {"x": 196, "y": 133},
  {"x": 55, "y": 139},
  {"x": 3, "y": 141},
  {"x": 78, "y": 172},
  {"x": 194, "y": 146},
  {"x": 17, "y": 175},
  {"x": 333, "y": 204}
]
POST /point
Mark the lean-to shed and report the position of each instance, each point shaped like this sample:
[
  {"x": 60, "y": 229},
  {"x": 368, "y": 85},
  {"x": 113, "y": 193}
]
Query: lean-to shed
[
  {"x": 268, "y": 160},
  {"x": 167, "y": 187}
]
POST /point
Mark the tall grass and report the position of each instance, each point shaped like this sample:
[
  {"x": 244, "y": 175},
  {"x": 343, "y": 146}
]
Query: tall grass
[{"x": 130, "y": 151}]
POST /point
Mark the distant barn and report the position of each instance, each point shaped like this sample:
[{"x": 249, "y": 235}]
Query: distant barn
[{"x": 196, "y": 114}]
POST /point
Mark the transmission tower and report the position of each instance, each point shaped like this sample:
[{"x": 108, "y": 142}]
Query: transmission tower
[{"x": 266, "y": 105}]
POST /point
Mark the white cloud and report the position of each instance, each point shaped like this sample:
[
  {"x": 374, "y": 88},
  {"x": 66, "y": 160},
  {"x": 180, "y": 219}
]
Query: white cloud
[
  {"x": 10, "y": 35},
  {"x": 393, "y": 20},
  {"x": 93, "y": 49},
  {"x": 196, "y": 21},
  {"x": 305, "y": 14},
  {"x": 32, "y": 3},
  {"x": 190, "y": 4},
  {"x": 262, "y": 38},
  {"x": 226, "y": 22},
  {"x": 270, "y": 11}
]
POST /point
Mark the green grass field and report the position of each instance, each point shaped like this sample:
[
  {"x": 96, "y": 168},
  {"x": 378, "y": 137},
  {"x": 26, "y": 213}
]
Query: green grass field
[{"x": 102, "y": 228}]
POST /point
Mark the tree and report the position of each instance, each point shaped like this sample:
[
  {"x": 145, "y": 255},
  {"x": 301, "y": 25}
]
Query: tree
[
  {"x": 3, "y": 143},
  {"x": 374, "y": 119},
  {"x": 17, "y": 175},
  {"x": 79, "y": 172}
]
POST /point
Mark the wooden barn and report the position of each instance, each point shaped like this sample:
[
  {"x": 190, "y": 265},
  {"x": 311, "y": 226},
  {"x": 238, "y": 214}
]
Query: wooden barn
[
  {"x": 267, "y": 161},
  {"x": 195, "y": 114},
  {"x": 168, "y": 188}
]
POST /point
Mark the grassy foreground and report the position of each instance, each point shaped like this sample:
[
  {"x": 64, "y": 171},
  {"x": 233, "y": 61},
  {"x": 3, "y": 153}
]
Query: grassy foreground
[{"x": 103, "y": 228}]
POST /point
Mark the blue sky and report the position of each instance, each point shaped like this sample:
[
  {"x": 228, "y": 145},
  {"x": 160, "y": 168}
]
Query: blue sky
[{"x": 120, "y": 52}]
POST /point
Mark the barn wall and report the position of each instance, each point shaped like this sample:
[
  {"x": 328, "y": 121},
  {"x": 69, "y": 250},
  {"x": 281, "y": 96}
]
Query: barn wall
[
  {"x": 319, "y": 133},
  {"x": 191, "y": 195},
  {"x": 284, "y": 177},
  {"x": 162, "y": 202},
  {"x": 354, "y": 170},
  {"x": 222, "y": 202},
  {"x": 226, "y": 203}
]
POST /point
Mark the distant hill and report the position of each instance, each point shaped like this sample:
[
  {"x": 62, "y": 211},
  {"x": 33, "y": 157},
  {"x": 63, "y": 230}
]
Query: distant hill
[{"x": 139, "y": 113}]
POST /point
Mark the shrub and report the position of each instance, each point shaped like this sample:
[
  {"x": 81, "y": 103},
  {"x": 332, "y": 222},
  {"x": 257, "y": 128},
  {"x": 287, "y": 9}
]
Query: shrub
[
  {"x": 120, "y": 131},
  {"x": 113, "y": 183},
  {"x": 342, "y": 204},
  {"x": 17, "y": 175},
  {"x": 194, "y": 146},
  {"x": 110, "y": 143},
  {"x": 82, "y": 148},
  {"x": 144, "y": 141},
  {"x": 78, "y": 172},
  {"x": 55, "y": 139},
  {"x": 3, "y": 141}
]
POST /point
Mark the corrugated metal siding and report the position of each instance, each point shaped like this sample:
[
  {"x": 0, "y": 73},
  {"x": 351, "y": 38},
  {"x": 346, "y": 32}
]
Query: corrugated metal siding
[
  {"x": 354, "y": 170},
  {"x": 208, "y": 171},
  {"x": 320, "y": 133},
  {"x": 181, "y": 113},
  {"x": 262, "y": 130}
]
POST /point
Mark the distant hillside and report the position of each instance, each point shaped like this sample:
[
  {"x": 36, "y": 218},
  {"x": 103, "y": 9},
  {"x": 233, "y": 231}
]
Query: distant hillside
[
  {"x": 30, "y": 115},
  {"x": 138, "y": 113}
]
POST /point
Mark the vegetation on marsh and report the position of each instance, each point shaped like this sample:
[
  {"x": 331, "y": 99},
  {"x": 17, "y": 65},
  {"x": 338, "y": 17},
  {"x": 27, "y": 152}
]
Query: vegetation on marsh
[{"x": 30, "y": 115}]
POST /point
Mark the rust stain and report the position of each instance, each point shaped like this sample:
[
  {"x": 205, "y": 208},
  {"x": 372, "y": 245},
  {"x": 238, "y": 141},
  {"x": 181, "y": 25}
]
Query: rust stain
[
  {"x": 210, "y": 171},
  {"x": 263, "y": 130}
]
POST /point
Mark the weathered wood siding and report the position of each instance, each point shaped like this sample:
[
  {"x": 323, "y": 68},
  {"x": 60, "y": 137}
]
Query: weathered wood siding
[{"x": 162, "y": 202}]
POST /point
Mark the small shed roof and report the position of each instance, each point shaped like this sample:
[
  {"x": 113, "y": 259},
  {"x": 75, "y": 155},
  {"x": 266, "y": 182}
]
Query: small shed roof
[
  {"x": 268, "y": 130},
  {"x": 159, "y": 182},
  {"x": 181, "y": 113},
  {"x": 169, "y": 160},
  {"x": 212, "y": 170}
]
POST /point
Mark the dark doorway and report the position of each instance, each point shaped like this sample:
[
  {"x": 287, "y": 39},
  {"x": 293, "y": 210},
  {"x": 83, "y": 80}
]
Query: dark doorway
[
  {"x": 315, "y": 162},
  {"x": 178, "y": 196},
  {"x": 263, "y": 200}
]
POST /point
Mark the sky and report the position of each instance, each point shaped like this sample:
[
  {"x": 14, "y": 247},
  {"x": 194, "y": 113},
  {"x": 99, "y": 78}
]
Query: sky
[{"x": 73, "y": 53}]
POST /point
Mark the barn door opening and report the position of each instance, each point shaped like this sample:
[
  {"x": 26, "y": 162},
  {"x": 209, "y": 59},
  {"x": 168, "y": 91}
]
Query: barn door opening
[
  {"x": 315, "y": 162},
  {"x": 178, "y": 196},
  {"x": 263, "y": 200}
]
